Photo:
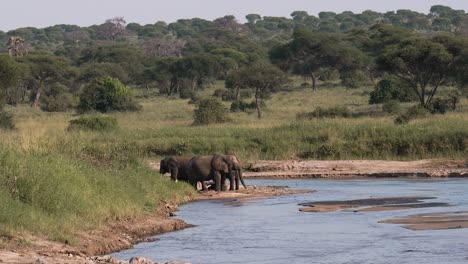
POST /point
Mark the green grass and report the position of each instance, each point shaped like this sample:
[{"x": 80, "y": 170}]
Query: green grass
[{"x": 55, "y": 183}]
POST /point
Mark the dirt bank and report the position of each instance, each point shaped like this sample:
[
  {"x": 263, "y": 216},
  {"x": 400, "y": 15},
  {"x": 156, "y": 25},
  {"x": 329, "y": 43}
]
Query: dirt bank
[{"x": 357, "y": 168}]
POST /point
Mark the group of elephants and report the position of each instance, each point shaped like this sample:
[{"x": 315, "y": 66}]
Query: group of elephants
[{"x": 205, "y": 168}]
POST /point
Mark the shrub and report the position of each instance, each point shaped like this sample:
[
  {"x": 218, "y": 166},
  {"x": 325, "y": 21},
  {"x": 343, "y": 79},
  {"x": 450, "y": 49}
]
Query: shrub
[
  {"x": 391, "y": 107},
  {"x": 332, "y": 112},
  {"x": 353, "y": 79},
  {"x": 93, "y": 123},
  {"x": 107, "y": 94},
  {"x": 390, "y": 89},
  {"x": 186, "y": 93},
  {"x": 242, "y": 106},
  {"x": 441, "y": 105},
  {"x": 224, "y": 94},
  {"x": 6, "y": 120},
  {"x": 209, "y": 111},
  {"x": 413, "y": 112},
  {"x": 57, "y": 98}
]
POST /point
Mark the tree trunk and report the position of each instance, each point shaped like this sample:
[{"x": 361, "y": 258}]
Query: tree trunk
[
  {"x": 237, "y": 94},
  {"x": 314, "y": 80},
  {"x": 257, "y": 103},
  {"x": 38, "y": 96}
]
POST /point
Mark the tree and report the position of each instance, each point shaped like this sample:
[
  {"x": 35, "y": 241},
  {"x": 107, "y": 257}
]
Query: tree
[
  {"x": 195, "y": 69},
  {"x": 422, "y": 64},
  {"x": 311, "y": 54},
  {"x": 210, "y": 111},
  {"x": 263, "y": 77},
  {"x": 46, "y": 69},
  {"x": 16, "y": 47},
  {"x": 112, "y": 28},
  {"x": 106, "y": 94},
  {"x": 10, "y": 72},
  {"x": 253, "y": 18}
]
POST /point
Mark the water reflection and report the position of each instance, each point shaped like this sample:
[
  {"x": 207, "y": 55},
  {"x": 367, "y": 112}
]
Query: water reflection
[{"x": 274, "y": 231}]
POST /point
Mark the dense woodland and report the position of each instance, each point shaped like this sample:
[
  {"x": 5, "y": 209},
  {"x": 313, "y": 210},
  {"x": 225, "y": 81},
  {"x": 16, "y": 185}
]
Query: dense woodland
[{"x": 413, "y": 53}]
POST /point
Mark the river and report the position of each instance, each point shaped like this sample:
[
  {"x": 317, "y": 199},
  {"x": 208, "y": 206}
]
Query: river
[{"x": 273, "y": 230}]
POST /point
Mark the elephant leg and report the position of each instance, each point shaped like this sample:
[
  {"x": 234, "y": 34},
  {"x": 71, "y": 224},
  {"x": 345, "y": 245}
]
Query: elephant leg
[
  {"x": 217, "y": 180},
  {"x": 204, "y": 188},
  {"x": 231, "y": 182},
  {"x": 237, "y": 180},
  {"x": 223, "y": 182}
]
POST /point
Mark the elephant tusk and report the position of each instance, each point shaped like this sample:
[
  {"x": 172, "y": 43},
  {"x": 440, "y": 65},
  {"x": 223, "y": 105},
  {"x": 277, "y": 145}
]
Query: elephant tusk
[{"x": 176, "y": 180}]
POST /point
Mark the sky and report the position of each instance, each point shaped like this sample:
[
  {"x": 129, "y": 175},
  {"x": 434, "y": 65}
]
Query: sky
[{"x": 44, "y": 13}]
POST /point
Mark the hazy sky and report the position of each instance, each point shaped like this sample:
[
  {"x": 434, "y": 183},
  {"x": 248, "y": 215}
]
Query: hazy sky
[{"x": 43, "y": 13}]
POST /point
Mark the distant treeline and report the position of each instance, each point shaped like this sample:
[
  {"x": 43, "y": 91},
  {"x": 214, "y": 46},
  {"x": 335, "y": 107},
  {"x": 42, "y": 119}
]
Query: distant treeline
[{"x": 50, "y": 67}]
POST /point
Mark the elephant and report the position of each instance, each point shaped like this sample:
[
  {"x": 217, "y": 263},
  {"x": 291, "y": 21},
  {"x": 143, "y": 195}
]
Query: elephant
[
  {"x": 177, "y": 166},
  {"x": 206, "y": 168},
  {"x": 235, "y": 175}
]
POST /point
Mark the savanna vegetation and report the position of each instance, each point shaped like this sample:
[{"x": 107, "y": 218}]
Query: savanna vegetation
[{"x": 84, "y": 108}]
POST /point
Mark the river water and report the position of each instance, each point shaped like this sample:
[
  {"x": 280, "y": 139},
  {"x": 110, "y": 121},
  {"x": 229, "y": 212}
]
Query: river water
[{"x": 273, "y": 230}]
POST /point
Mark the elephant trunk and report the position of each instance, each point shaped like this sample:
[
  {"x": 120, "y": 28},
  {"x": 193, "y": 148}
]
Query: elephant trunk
[
  {"x": 174, "y": 173},
  {"x": 239, "y": 172}
]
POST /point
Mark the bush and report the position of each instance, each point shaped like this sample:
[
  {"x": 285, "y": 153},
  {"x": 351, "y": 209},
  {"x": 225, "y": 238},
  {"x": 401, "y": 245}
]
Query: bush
[
  {"x": 93, "y": 123},
  {"x": 107, "y": 94},
  {"x": 441, "y": 105},
  {"x": 225, "y": 95},
  {"x": 332, "y": 112},
  {"x": 186, "y": 93},
  {"x": 353, "y": 79},
  {"x": 391, "y": 107},
  {"x": 57, "y": 98},
  {"x": 389, "y": 89},
  {"x": 6, "y": 120},
  {"x": 209, "y": 111},
  {"x": 242, "y": 106},
  {"x": 413, "y": 112}
]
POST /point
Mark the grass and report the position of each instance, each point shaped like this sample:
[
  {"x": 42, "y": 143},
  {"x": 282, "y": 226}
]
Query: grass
[{"x": 55, "y": 183}]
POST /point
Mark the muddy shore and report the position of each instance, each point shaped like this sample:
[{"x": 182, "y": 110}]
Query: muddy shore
[{"x": 124, "y": 233}]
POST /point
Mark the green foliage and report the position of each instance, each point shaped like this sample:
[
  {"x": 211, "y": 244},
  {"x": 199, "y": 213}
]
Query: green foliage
[
  {"x": 442, "y": 105},
  {"x": 7, "y": 121},
  {"x": 93, "y": 123},
  {"x": 353, "y": 78},
  {"x": 391, "y": 107},
  {"x": 210, "y": 111},
  {"x": 107, "y": 94},
  {"x": 242, "y": 106},
  {"x": 57, "y": 98},
  {"x": 413, "y": 112},
  {"x": 332, "y": 112},
  {"x": 391, "y": 90}
]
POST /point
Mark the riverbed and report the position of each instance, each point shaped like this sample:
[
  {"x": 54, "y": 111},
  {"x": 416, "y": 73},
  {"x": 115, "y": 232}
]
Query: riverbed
[{"x": 273, "y": 230}]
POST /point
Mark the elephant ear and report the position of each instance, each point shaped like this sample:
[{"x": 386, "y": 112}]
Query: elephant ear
[
  {"x": 163, "y": 166},
  {"x": 172, "y": 163}
]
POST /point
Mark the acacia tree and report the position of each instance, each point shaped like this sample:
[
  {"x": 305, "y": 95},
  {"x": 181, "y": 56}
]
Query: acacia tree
[
  {"x": 263, "y": 77},
  {"x": 45, "y": 69},
  {"x": 10, "y": 72},
  {"x": 16, "y": 47},
  {"x": 422, "y": 64}
]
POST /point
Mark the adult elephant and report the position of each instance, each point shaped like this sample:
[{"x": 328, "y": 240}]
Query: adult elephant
[
  {"x": 235, "y": 175},
  {"x": 207, "y": 168},
  {"x": 177, "y": 166}
]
